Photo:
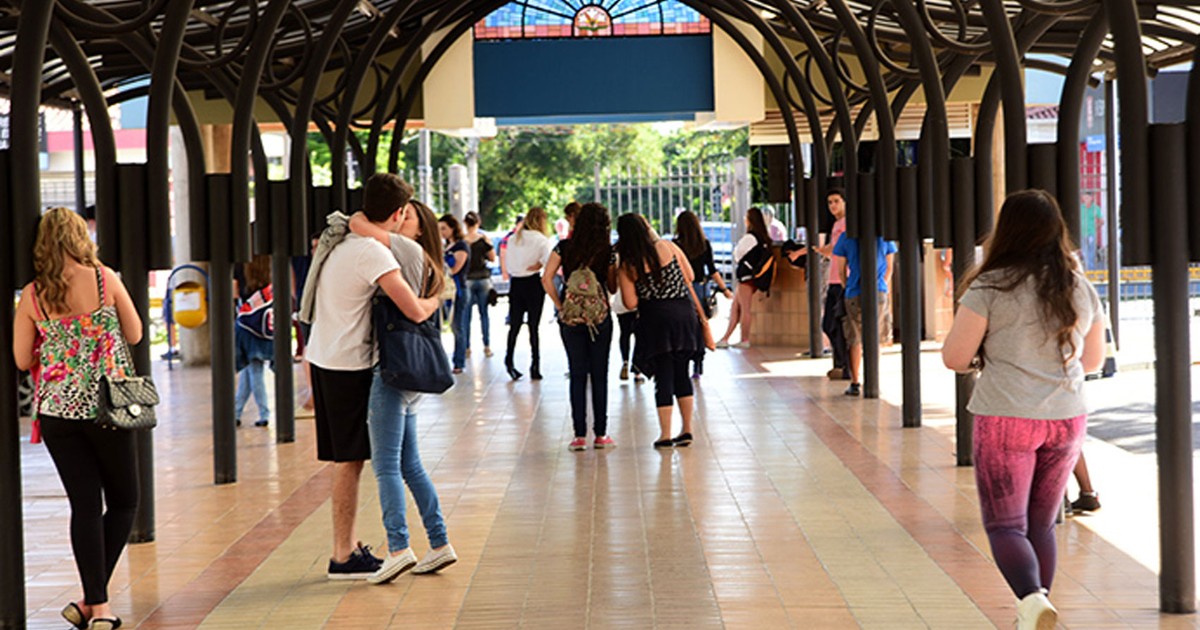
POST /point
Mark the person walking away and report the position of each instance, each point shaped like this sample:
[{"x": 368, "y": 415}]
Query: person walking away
[
  {"x": 846, "y": 257},
  {"x": 254, "y": 337},
  {"x": 690, "y": 238},
  {"x": 502, "y": 246},
  {"x": 458, "y": 253},
  {"x": 528, "y": 251},
  {"x": 341, "y": 285},
  {"x": 655, "y": 279},
  {"x": 626, "y": 323},
  {"x": 392, "y": 416},
  {"x": 479, "y": 281},
  {"x": 755, "y": 237},
  {"x": 1031, "y": 325},
  {"x": 586, "y": 260},
  {"x": 75, "y": 323}
]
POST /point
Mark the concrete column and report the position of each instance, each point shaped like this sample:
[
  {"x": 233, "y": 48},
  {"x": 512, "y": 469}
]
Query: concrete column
[
  {"x": 194, "y": 344},
  {"x": 424, "y": 170},
  {"x": 460, "y": 193},
  {"x": 741, "y": 197}
]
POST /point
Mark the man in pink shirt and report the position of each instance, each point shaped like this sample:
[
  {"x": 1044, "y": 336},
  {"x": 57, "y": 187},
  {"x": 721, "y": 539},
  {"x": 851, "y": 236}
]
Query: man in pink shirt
[{"x": 835, "y": 306}]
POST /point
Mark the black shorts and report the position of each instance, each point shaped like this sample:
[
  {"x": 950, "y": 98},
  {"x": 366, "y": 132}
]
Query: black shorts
[{"x": 340, "y": 399}]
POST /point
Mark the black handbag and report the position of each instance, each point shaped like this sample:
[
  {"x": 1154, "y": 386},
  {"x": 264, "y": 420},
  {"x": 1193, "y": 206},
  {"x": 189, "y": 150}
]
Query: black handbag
[
  {"x": 127, "y": 403},
  {"x": 411, "y": 356}
]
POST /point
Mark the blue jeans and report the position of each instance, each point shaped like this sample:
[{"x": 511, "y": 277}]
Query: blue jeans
[
  {"x": 392, "y": 419},
  {"x": 460, "y": 326},
  {"x": 253, "y": 379},
  {"x": 477, "y": 295}
]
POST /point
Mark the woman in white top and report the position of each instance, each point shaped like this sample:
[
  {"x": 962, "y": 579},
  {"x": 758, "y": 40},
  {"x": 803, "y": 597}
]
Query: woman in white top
[
  {"x": 528, "y": 251},
  {"x": 756, "y": 234},
  {"x": 1032, "y": 325}
]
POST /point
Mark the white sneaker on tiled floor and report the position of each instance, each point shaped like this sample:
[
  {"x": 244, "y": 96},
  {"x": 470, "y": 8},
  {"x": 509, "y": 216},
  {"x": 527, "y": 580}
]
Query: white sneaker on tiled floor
[
  {"x": 1035, "y": 612},
  {"x": 436, "y": 560},
  {"x": 393, "y": 566}
]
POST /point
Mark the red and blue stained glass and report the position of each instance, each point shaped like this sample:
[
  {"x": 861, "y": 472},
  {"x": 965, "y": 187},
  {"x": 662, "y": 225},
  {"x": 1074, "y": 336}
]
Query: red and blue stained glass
[{"x": 543, "y": 19}]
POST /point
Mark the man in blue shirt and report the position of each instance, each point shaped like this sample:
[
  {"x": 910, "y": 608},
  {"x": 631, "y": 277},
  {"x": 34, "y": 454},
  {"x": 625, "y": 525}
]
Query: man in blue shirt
[{"x": 847, "y": 249}]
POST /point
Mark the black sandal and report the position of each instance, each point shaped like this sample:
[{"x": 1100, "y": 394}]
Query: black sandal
[
  {"x": 74, "y": 616},
  {"x": 667, "y": 443},
  {"x": 683, "y": 439}
]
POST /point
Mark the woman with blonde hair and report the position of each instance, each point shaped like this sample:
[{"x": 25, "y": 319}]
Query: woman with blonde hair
[
  {"x": 1031, "y": 324},
  {"x": 528, "y": 251},
  {"x": 74, "y": 322}
]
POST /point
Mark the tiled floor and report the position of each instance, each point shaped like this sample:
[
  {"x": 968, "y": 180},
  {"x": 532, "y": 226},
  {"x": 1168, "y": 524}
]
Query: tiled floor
[{"x": 796, "y": 507}]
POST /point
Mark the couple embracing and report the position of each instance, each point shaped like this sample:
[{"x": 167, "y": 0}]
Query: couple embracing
[{"x": 392, "y": 247}]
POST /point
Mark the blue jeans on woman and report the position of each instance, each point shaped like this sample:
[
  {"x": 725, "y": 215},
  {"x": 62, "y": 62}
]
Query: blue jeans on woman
[
  {"x": 460, "y": 326},
  {"x": 252, "y": 378},
  {"x": 477, "y": 296},
  {"x": 392, "y": 420}
]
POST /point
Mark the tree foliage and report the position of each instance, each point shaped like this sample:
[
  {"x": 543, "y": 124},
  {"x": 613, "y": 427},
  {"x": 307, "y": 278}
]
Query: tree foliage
[{"x": 523, "y": 167}]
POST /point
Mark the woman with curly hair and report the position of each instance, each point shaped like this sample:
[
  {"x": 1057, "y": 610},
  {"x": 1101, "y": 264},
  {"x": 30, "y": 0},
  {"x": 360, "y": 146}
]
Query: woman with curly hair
[{"x": 76, "y": 321}]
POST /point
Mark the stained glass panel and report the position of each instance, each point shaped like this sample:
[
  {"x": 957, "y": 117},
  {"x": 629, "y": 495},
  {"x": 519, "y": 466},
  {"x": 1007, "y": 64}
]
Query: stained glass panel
[{"x": 537, "y": 19}]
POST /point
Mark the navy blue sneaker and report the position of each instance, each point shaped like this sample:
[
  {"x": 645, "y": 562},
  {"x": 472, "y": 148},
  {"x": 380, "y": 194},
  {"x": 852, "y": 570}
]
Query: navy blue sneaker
[{"x": 359, "y": 566}]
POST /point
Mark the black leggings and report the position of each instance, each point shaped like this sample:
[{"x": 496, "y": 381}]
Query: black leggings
[
  {"x": 627, "y": 322},
  {"x": 92, "y": 461},
  {"x": 525, "y": 296},
  {"x": 671, "y": 378}
]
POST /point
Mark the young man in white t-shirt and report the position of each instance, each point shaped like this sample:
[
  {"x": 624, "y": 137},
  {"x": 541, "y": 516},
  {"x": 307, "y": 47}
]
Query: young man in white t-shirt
[{"x": 342, "y": 353}]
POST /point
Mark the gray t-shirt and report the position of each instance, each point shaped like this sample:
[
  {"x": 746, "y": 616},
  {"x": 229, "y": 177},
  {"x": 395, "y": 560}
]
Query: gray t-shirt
[
  {"x": 412, "y": 261},
  {"x": 1023, "y": 374}
]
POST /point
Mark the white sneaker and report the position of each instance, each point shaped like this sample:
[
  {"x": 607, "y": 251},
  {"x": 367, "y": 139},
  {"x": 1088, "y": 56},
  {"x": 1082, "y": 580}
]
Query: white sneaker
[
  {"x": 393, "y": 566},
  {"x": 742, "y": 344},
  {"x": 1035, "y": 612},
  {"x": 436, "y": 560},
  {"x": 722, "y": 344}
]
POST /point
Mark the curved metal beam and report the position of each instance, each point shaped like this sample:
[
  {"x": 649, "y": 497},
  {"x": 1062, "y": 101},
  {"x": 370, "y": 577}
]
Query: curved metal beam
[
  {"x": 1012, "y": 88},
  {"x": 1070, "y": 109},
  {"x": 158, "y": 133}
]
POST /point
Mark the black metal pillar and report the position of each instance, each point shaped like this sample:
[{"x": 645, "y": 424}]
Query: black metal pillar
[
  {"x": 1172, "y": 370},
  {"x": 131, "y": 198},
  {"x": 12, "y": 544},
  {"x": 962, "y": 171},
  {"x": 1114, "y": 244},
  {"x": 281, "y": 283},
  {"x": 77, "y": 136},
  {"x": 868, "y": 252},
  {"x": 910, "y": 295},
  {"x": 220, "y": 321},
  {"x": 812, "y": 271}
]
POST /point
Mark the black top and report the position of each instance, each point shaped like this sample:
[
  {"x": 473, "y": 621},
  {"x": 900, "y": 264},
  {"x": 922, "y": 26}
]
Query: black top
[
  {"x": 459, "y": 246},
  {"x": 599, "y": 266},
  {"x": 666, "y": 284},
  {"x": 477, "y": 268},
  {"x": 702, "y": 263}
]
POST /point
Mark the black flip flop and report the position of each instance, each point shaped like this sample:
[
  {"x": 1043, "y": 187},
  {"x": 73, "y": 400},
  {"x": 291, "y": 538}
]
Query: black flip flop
[{"x": 104, "y": 623}]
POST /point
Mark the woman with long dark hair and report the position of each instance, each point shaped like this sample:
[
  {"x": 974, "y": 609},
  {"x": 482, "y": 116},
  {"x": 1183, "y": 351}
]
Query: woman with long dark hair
[
  {"x": 739, "y": 313},
  {"x": 587, "y": 345},
  {"x": 528, "y": 251},
  {"x": 690, "y": 238},
  {"x": 75, "y": 323},
  {"x": 458, "y": 253},
  {"x": 1031, "y": 324},
  {"x": 655, "y": 279}
]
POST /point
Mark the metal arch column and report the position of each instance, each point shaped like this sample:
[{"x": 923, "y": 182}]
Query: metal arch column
[
  {"x": 303, "y": 112},
  {"x": 33, "y": 31},
  {"x": 1070, "y": 109},
  {"x": 158, "y": 133},
  {"x": 884, "y": 204},
  {"x": 1008, "y": 68}
]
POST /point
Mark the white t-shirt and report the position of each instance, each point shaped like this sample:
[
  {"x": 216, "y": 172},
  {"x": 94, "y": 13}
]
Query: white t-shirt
[
  {"x": 341, "y": 333},
  {"x": 525, "y": 248}
]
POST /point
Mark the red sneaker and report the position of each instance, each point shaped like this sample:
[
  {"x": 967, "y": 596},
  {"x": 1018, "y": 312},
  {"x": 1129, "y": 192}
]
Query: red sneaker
[
  {"x": 578, "y": 444},
  {"x": 604, "y": 441}
]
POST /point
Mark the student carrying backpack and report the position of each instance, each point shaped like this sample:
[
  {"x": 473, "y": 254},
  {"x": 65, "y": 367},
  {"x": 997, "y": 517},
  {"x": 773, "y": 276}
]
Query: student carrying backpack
[
  {"x": 585, "y": 300},
  {"x": 757, "y": 267}
]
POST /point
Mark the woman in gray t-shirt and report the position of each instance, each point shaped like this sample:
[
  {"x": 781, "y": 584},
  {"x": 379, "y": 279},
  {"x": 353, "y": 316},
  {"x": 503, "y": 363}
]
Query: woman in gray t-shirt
[{"x": 1032, "y": 326}]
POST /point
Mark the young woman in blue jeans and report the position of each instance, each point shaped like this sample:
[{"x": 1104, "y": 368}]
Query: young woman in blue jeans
[
  {"x": 392, "y": 416},
  {"x": 1032, "y": 325},
  {"x": 479, "y": 281}
]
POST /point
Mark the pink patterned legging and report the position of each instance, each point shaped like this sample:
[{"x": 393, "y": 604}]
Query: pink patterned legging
[{"x": 1021, "y": 471}]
